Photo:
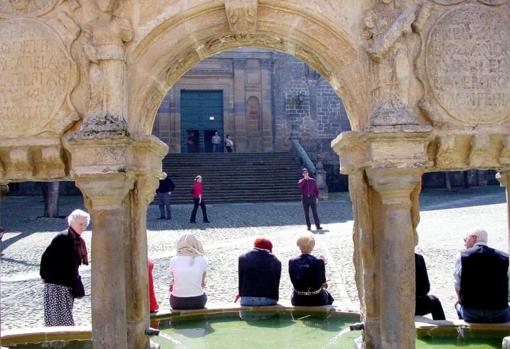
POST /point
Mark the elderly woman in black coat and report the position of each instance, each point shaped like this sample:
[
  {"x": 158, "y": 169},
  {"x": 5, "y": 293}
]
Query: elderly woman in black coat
[{"x": 59, "y": 271}]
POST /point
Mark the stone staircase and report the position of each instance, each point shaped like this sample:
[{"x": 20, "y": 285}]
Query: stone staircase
[{"x": 234, "y": 177}]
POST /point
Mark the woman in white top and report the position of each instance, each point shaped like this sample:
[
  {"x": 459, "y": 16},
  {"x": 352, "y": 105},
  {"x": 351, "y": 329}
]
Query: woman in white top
[{"x": 187, "y": 271}]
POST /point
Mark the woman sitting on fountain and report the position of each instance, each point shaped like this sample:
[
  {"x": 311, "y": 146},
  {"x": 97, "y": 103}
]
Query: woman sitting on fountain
[
  {"x": 259, "y": 275},
  {"x": 308, "y": 276},
  {"x": 188, "y": 270}
]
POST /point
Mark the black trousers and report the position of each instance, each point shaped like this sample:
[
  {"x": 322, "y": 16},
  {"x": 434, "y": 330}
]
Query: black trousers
[
  {"x": 195, "y": 208},
  {"x": 197, "y": 302},
  {"x": 429, "y": 304},
  {"x": 311, "y": 202}
]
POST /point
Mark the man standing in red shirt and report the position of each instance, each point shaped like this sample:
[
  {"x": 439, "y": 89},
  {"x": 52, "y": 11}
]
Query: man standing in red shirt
[{"x": 310, "y": 198}]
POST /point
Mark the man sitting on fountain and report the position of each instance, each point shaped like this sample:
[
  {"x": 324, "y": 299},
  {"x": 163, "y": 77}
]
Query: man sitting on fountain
[
  {"x": 259, "y": 275},
  {"x": 481, "y": 281}
]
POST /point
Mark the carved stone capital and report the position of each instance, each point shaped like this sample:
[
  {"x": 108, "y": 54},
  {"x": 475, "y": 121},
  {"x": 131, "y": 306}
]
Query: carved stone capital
[
  {"x": 32, "y": 159},
  {"x": 242, "y": 15},
  {"x": 382, "y": 148},
  {"x": 462, "y": 149},
  {"x": 105, "y": 191},
  {"x": 18, "y": 163},
  {"x": 395, "y": 185}
]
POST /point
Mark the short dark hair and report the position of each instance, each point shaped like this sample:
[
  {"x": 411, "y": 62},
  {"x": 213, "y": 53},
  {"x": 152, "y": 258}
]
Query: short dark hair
[{"x": 304, "y": 170}]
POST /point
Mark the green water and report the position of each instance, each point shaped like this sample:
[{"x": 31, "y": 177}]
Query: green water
[
  {"x": 284, "y": 329},
  {"x": 457, "y": 338},
  {"x": 257, "y": 330}
]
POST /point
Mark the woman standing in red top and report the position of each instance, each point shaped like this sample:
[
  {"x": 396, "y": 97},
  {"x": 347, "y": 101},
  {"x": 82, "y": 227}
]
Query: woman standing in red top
[{"x": 198, "y": 201}]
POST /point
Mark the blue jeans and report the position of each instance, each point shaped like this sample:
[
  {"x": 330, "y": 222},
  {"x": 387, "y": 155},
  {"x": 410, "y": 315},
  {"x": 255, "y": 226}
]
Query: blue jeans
[
  {"x": 483, "y": 315},
  {"x": 215, "y": 148},
  {"x": 164, "y": 205},
  {"x": 257, "y": 301}
]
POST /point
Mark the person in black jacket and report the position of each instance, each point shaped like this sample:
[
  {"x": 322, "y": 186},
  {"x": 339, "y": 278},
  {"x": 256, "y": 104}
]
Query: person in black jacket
[
  {"x": 425, "y": 303},
  {"x": 164, "y": 193},
  {"x": 481, "y": 281},
  {"x": 308, "y": 276},
  {"x": 59, "y": 271},
  {"x": 259, "y": 275}
]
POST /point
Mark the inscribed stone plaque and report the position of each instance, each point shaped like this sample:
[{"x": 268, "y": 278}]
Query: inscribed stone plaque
[
  {"x": 468, "y": 63},
  {"x": 36, "y": 77},
  {"x": 10, "y": 8}
]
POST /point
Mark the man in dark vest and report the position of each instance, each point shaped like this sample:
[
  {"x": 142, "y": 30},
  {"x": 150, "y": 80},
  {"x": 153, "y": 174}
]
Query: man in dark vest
[{"x": 481, "y": 281}]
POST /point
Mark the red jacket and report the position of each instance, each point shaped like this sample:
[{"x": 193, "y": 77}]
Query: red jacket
[
  {"x": 197, "y": 190},
  {"x": 153, "y": 302}
]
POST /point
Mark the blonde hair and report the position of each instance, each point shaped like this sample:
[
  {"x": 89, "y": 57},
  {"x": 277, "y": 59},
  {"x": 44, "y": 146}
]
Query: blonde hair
[
  {"x": 197, "y": 178},
  {"x": 306, "y": 243},
  {"x": 189, "y": 245}
]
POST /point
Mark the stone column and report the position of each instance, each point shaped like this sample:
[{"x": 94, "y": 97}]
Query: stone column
[
  {"x": 394, "y": 242},
  {"x": 117, "y": 173},
  {"x": 106, "y": 200},
  {"x": 136, "y": 264},
  {"x": 4, "y": 189}
]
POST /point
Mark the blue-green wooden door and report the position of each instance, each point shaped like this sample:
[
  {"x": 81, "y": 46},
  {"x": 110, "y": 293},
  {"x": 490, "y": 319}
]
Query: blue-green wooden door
[{"x": 201, "y": 115}]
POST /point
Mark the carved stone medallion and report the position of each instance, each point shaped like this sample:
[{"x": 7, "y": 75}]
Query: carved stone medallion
[
  {"x": 37, "y": 76},
  {"x": 468, "y": 63},
  {"x": 10, "y": 8}
]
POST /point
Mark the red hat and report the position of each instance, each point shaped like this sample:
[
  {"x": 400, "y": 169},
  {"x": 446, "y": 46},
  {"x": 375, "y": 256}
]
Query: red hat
[{"x": 263, "y": 243}]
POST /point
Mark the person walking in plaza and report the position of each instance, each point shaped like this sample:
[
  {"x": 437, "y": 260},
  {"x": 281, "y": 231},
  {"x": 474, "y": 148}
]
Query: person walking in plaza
[
  {"x": 259, "y": 275},
  {"x": 187, "y": 270},
  {"x": 164, "y": 194},
  {"x": 481, "y": 281},
  {"x": 216, "y": 142},
  {"x": 229, "y": 144},
  {"x": 59, "y": 271},
  {"x": 198, "y": 200},
  {"x": 310, "y": 198},
  {"x": 308, "y": 275},
  {"x": 425, "y": 302}
]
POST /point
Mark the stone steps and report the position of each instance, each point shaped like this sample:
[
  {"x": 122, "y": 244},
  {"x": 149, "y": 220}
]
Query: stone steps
[{"x": 235, "y": 177}]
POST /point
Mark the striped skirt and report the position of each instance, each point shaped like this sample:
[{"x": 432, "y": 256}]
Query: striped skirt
[{"x": 58, "y": 305}]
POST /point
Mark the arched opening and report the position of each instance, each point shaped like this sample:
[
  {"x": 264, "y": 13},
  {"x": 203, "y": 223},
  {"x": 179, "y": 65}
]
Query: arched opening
[{"x": 155, "y": 68}]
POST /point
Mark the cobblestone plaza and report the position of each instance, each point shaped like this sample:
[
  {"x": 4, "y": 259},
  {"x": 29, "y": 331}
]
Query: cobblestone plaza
[{"x": 445, "y": 218}]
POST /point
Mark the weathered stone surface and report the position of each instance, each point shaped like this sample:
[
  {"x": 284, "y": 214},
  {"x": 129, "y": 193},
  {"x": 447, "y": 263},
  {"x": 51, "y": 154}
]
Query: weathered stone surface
[
  {"x": 465, "y": 68},
  {"x": 11, "y": 8},
  {"x": 37, "y": 76}
]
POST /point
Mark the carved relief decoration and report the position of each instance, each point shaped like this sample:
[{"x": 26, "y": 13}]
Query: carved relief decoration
[
  {"x": 10, "y": 8},
  {"x": 464, "y": 64},
  {"x": 241, "y": 15},
  {"x": 386, "y": 29},
  {"x": 38, "y": 75}
]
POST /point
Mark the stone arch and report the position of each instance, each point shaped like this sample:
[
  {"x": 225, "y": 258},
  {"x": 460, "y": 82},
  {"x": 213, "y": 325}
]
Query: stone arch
[{"x": 170, "y": 49}]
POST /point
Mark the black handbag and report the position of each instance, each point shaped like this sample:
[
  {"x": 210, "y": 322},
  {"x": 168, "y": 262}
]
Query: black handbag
[{"x": 78, "y": 290}]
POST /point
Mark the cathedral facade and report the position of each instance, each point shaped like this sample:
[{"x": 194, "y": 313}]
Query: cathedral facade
[{"x": 260, "y": 99}]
